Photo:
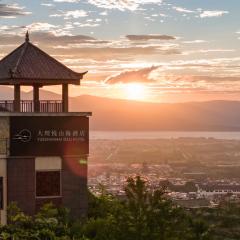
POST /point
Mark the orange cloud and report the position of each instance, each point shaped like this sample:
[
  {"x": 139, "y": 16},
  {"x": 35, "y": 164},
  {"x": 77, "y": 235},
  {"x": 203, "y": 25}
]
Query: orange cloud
[
  {"x": 141, "y": 75},
  {"x": 149, "y": 37}
]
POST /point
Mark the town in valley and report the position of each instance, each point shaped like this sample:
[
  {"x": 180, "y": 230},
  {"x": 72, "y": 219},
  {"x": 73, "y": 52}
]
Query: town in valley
[{"x": 194, "y": 172}]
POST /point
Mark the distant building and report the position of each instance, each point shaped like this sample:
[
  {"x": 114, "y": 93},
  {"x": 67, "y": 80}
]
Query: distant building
[
  {"x": 43, "y": 147},
  {"x": 193, "y": 203},
  {"x": 195, "y": 175},
  {"x": 211, "y": 190}
]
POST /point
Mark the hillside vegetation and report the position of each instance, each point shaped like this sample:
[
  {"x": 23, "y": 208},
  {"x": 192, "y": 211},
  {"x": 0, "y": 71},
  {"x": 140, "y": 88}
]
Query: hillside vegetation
[{"x": 143, "y": 214}]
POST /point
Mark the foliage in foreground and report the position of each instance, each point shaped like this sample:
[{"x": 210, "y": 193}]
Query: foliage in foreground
[{"x": 143, "y": 214}]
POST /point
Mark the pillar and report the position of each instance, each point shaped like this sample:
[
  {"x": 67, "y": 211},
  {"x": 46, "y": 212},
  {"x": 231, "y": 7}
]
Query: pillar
[
  {"x": 36, "y": 98},
  {"x": 17, "y": 98},
  {"x": 65, "y": 97}
]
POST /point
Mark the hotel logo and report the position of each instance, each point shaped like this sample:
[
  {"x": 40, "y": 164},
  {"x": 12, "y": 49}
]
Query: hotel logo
[{"x": 24, "y": 135}]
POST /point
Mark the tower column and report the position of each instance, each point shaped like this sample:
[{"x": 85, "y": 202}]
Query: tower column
[
  {"x": 65, "y": 97},
  {"x": 36, "y": 98},
  {"x": 17, "y": 98}
]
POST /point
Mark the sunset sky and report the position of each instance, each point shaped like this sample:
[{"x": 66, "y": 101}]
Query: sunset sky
[{"x": 148, "y": 50}]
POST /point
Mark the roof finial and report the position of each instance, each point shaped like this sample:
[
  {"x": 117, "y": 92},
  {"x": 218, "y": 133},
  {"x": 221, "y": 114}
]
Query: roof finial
[{"x": 27, "y": 37}]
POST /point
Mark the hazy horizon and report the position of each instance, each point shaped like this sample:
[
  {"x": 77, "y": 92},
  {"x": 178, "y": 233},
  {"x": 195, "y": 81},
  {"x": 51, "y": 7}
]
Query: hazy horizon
[{"x": 27, "y": 91}]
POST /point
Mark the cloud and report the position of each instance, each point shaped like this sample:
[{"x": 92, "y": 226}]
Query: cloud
[
  {"x": 116, "y": 61},
  {"x": 44, "y": 27},
  {"x": 131, "y": 5},
  {"x": 67, "y": 1},
  {"x": 47, "y": 4},
  {"x": 202, "y": 79},
  {"x": 8, "y": 28},
  {"x": 41, "y": 26},
  {"x": 52, "y": 39},
  {"x": 156, "y": 77},
  {"x": 200, "y": 12},
  {"x": 195, "y": 41},
  {"x": 183, "y": 10},
  {"x": 213, "y": 79},
  {"x": 41, "y": 36},
  {"x": 104, "y": 13},
  {"x": 159, "y": 81},
  {"x": 14, "y": 32},
  {"x": 215, "y": 13},
  {"x": 71, "y": 14},
  {"x": 105, "y": 53},
  {"x": 12, "y": 10},
  {"x": 206, "y": 51},
  {"x": 141, "y": 76},
  {"x": 149, "y": 37},
  {"x": 88, "y": 23}
]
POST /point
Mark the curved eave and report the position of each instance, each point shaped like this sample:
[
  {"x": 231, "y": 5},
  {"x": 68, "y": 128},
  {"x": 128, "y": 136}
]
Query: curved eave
[
  {"x": 30, "y": 82},
  {"x": 82, "y": 74},
  {"x": 41, "y": 81}
]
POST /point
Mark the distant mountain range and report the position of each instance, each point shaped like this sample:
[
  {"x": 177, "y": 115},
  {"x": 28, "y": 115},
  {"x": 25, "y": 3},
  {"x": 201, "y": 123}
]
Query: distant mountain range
[{"x": 125, "y": 115}]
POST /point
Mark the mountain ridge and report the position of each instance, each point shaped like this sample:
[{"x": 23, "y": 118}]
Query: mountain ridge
[{"x": 126, "y": 115}]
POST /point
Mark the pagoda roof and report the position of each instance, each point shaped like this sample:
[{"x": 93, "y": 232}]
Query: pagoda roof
[{"x": 28, "y": 65}]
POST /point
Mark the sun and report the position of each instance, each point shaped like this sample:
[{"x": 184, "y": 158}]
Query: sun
[{"x": 135, "y": 91}]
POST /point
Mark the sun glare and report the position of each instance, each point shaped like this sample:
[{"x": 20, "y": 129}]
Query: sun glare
[{"x": 135, "y": 91}]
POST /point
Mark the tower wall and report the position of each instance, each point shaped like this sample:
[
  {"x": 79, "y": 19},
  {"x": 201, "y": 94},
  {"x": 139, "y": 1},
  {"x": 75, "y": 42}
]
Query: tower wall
[{"x": 45, "y": 161}]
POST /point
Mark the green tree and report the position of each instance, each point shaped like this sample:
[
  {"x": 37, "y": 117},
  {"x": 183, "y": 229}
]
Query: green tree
[{"x": 143, "y": 214}]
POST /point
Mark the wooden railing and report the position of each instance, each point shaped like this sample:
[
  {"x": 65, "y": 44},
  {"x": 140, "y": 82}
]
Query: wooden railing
[
  {"x": 6, "y": 106},
  {"x": 51, "y": 106},
  {"x": 30, "y": 106}
]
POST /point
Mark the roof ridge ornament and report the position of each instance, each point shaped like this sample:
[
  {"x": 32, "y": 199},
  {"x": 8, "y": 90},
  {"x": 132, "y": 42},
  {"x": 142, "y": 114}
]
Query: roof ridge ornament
[{"x": 27, "y": 36}]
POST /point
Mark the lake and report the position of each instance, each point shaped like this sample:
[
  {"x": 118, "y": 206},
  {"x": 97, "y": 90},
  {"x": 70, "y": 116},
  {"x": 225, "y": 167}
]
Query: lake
[{"x": 121, "y": 135}]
